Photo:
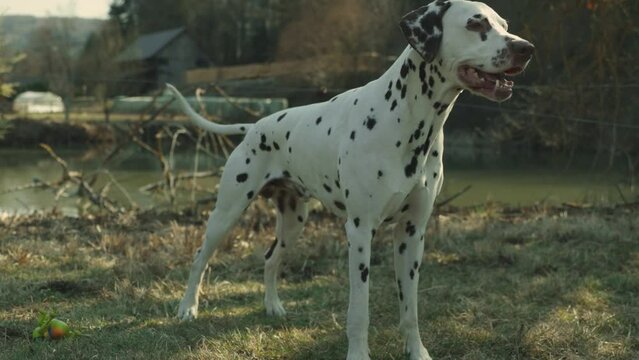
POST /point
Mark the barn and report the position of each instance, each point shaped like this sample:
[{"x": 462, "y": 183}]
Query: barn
[{"x": 157, "y": 58}]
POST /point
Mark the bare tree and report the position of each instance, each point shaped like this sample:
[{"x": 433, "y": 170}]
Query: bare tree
[
  {"x": 97, "y": 66},
  {"x": 7, "y": 61},
  {"x": 348, "y": 26},
  {"x": 51, "y": 47},
  {"x": 585, "y": 70}
]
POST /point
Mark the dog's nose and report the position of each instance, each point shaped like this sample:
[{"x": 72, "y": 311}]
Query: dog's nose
[{"x": 521, "y": 49}]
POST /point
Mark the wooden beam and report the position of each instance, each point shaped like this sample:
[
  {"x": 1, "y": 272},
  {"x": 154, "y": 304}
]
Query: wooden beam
[{"x": 327, "y": 63}]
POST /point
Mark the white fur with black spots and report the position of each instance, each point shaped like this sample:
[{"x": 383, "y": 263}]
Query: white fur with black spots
[{"x": 369, "y": 154}]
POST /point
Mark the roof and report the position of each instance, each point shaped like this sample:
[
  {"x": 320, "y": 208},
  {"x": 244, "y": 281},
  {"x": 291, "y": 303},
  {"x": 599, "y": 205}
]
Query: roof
[
  {"x": 37, "y": 95},
  {"x": 146, "y": 46}
]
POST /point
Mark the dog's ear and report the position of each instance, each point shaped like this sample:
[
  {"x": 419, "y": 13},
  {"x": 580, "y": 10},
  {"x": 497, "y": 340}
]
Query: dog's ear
[{"x": 423, "y": 28}]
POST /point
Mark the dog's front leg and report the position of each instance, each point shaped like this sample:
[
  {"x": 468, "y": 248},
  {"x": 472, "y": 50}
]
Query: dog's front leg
[
  {"x": 360, "y": 234},
  {"x": 409, "y": 251}
]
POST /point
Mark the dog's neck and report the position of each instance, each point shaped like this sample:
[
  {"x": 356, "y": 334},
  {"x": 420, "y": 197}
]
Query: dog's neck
[{"x": 429, "y": 94}]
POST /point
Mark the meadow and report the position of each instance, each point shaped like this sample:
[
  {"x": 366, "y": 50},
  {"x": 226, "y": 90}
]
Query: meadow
[{"x": 496, "y": 283}]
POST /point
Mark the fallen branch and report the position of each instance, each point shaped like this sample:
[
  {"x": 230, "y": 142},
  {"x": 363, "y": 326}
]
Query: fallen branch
[
  {"x": 36, "y": 184},
  {"x": 162, "y": 183},
  {"x": 452, "y": 198},
  {"x": 70, "y": 177},
  {"x": 623, "y": 198},
  {"x": 121, "y": 188},
  {"x": 226, "y": 97}
]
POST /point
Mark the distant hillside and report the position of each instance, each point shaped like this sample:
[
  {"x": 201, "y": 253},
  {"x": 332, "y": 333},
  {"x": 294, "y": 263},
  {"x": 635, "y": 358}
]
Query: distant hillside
[{"x": 18, "y": 29}]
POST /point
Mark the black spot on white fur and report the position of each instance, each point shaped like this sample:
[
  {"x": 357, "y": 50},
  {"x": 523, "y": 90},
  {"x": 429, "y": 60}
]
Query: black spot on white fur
[
  {"x": 269, "y": 253},
  {"x": 404, "y": 71},
  {"x": 389, "y": 93},
  {"x": 364, "y": 274},
  {"x": 370, "y": 122},
  {"x": 263, "y": 145},
  {"x": 423, "y": 28},
  {"x": 242, "y": 177},
  {"x": 410, "y": 229}
]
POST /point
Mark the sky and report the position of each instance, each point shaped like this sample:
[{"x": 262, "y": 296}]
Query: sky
[{"x": 79, "y": 8}]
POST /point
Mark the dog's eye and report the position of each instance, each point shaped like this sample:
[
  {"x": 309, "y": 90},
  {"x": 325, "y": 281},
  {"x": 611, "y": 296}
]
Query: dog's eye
[{"x": 477, "y": 25}]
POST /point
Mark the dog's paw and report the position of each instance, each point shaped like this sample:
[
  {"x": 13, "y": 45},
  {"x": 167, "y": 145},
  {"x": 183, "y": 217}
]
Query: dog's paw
[
  {"x": 417, "y": 352},
  {"x": 274, "y": 308},
  {"x": 358, "y": 354},
  {"x": 187, "y": 310}
]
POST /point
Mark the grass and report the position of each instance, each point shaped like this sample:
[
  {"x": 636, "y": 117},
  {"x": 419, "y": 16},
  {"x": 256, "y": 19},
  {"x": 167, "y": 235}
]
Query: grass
[{"x": 495, "y": 284}]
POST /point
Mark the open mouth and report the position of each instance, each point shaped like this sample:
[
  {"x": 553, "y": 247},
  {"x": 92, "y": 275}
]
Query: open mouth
[{"x": 494, "y": 86}]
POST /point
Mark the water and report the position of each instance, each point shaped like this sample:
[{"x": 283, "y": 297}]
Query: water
[
  {"x": 500, "y": 177},
  {"x": 132, "y": 168}
]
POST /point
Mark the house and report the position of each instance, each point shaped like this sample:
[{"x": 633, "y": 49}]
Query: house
[{"x": 157, "y": 58}]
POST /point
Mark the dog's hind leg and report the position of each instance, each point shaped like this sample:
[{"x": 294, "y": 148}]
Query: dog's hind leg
[
  {"x": 238, "y": 186},
  {"x": 291, "y": 216}
]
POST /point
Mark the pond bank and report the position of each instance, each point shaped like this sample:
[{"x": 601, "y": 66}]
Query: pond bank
[{"x": 25, "y": 132}]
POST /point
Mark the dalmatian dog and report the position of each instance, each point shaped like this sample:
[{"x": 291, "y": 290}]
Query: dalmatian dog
[{"x": 371, "y": 155}]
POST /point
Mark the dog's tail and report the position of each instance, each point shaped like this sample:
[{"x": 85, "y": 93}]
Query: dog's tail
[{"x": 200, "y": 121}]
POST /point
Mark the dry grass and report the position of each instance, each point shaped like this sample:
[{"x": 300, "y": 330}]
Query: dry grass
[{"x": 495, "y": 284}]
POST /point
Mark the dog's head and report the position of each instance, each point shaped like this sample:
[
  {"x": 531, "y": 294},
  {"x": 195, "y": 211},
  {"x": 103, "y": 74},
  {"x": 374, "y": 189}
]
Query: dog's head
[{"x": 473, "y": 42}]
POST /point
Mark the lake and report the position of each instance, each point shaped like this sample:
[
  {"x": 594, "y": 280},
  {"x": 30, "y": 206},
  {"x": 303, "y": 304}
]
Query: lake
[{"x": 494, "y": 176}]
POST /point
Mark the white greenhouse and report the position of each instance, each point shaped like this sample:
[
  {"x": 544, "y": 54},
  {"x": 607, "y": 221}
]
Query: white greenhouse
[{"x": 32, "y": 102}]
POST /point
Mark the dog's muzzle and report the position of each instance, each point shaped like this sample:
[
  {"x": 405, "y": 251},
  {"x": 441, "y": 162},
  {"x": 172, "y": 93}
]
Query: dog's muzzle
[{"x": 496, "y": 86}]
